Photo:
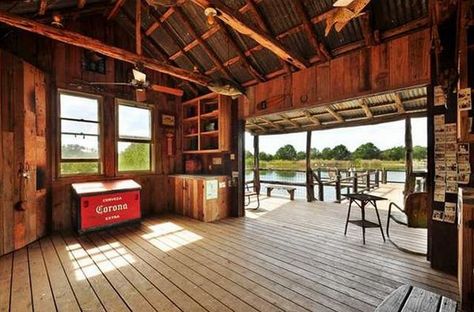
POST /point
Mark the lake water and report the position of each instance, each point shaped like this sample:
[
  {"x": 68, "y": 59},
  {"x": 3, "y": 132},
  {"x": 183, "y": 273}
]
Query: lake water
[{"x": 300, "y": 177}]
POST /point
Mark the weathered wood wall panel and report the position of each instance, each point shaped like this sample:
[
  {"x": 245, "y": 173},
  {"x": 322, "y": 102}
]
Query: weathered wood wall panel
[
  {"x": 396, "y": 64},
  {"x": 23, "y": 202}
]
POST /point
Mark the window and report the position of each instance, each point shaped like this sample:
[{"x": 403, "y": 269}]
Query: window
[
  {"x": 80, "y": 134},
  {"x": 134, "y": 138}
]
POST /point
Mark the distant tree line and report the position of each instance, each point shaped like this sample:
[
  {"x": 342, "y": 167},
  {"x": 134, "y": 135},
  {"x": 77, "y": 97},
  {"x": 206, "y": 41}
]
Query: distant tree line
[{"x": 340, "y": 152}]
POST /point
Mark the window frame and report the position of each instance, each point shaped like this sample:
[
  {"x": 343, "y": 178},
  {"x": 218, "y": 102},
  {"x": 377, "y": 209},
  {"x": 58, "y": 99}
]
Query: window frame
[
  {"x": 100, "y": 136},
  {"x": 131, "y": 139}
]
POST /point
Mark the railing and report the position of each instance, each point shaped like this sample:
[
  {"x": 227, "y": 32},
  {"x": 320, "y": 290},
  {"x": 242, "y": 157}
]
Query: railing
[{"x": 343, "y": 181}]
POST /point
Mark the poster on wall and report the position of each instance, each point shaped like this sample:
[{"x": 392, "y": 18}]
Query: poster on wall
[
  {"x": 464, "y": 166},
  {"x": 464, "y": 99},
  {"x": 449, "y": 214},
  {"x": 212, "y": 189}
]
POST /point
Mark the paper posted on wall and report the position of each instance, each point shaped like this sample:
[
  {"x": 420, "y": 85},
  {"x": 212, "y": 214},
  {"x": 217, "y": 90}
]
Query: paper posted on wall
[
  {"x": 464, "y": 99},
  {"x": 449, "y": 212},
  {"x": 439, "y": 96}
]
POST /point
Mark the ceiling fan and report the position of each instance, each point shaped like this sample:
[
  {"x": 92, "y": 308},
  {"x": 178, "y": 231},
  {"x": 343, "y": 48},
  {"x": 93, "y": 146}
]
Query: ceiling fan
[
  {"x": 141, "y": 84},
  {"x": 344, "y": 11}
]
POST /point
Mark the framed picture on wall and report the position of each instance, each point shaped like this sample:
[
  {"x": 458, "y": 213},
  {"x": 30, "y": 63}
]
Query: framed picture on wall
[{"x": 167, "y": 120}]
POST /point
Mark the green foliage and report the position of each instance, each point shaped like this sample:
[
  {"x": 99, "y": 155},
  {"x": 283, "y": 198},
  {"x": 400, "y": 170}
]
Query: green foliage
[
  {"x": 300, "y": 155},
  {"x": 286, "y": 152},
  {"x": 394, "y": 153},
  {"x": 264, "y": 156},
  {"x": 79, "y": 152},
  {"x": 366, "y": 151},
  {"x": 420, "y": 152},
  {"x": 314, "y": 153},
  {"x": 340, "y": 152},
  {"x": 248, "y": 154},
  {"x": 136, "y": 157},
  {"x": 326, "y": 153}
]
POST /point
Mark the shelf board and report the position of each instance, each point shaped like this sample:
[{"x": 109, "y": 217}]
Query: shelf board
[
  {"x": 202, "y": 151},
  {"x": 191, "y": 135},
  {"x": 194, "y": 118},
  {"x": 210, "y": 133},
  {"x": 213, "y": 114}
]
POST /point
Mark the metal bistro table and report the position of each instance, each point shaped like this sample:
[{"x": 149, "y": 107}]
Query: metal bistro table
[{"x": 362, "y": 200}]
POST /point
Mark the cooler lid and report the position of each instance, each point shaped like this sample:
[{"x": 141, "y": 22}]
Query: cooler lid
[{"x": 104, "y": 186}]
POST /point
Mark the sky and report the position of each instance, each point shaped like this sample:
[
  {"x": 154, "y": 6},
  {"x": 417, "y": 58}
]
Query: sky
[{"x": 384, "y": 136}]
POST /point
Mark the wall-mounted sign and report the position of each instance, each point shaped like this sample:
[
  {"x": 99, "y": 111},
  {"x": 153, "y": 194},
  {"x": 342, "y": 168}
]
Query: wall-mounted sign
[
  {"x": 167, "y": 120},
  {"x": 212, "y": 189}
]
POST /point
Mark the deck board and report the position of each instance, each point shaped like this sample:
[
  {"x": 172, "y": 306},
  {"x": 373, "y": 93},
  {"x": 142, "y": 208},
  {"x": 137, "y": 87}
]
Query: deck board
[{"x": 286, "y": 256}]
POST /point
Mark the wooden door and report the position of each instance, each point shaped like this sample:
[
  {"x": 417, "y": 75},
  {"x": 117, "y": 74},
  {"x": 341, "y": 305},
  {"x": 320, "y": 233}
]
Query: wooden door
[{"x": 23, "y": 157}]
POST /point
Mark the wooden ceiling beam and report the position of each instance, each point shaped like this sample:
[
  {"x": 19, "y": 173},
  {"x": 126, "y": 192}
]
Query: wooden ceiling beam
[
  {"x": 254, "y": 72},
  {"x": 312, "y": 118},
  {"x": 195, "y": 63},
  {"x": 366, "y": 108},
  {"x": 138, "y": 27},
  {"x": 209, "y": 51},
  {"x": 271, "y": 123},
  {"x": 294, "y": 123},
  {"x": 157, "y": 51},
  {"x": 81, "y": 4},
  {"x": 158, "y": 22},
  {"x": 42, "y": 7},
  {"x": 236, "y": 21},
  {"x": 319, "y": 47},
  {"x": 398, "y": 103},
  {"x": 89, "y": 43},
  {"x": 335, "y": 114},
  {"x": 116, "y": 8}
]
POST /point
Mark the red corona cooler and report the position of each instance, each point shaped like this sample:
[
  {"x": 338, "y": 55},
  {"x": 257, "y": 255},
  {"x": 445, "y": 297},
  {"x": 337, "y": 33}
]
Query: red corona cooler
[{"x": 103, "y": 204}]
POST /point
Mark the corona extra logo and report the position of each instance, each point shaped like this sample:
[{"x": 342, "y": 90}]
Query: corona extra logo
[{"x": 113, "y": 208}]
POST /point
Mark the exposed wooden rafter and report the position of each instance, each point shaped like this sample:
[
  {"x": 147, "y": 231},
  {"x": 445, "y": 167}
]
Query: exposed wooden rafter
[
  {"x": 312, "y": 118},
  {"x": 366, "y": 108},
  {"x": 81, "y": 4},
  {"x": 271, "y": 123},
  {"x": 157, "y": 50},
  {"x": 294, "y": 123},
  {"x": 114, "y": 11},
  {"x": 209, "y": 51},
  {"x": 42, "y": 7},
  {"x": 319, "y": 47},
  {"x": 89, "y": 43},
  {"x": 236, "y": 21},
  {"x": 398, "y": 103},
  {"x": 335, "y": 114},
  {"x": 138, "y": 27},
  {"x": 158, "y": 22},
  {"x": 251, "y": 69}
]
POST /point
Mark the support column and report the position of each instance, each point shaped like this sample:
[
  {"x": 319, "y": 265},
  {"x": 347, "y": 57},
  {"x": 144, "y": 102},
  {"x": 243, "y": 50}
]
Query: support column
[
  {"x": 309, "y": 170},
  {"x": 409, "y": 177},
  {"x": 256, "y": 165}
]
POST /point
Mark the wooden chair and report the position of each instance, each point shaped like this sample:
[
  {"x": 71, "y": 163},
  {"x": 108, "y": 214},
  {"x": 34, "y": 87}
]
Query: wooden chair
[
  {"x": 413, "y": 215},
  {"x": 251, "y": 190}
]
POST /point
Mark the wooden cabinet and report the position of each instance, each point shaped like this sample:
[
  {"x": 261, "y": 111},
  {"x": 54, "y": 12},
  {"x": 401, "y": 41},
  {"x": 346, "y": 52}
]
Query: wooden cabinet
[
  {"x": 200, "y": 197},
  {"x": 207, "y": 124},
  {"x": 466, "y": 248}
]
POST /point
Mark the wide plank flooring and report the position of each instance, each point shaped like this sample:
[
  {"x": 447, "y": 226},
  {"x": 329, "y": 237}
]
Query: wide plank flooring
[{"x": 286, "y": 256}]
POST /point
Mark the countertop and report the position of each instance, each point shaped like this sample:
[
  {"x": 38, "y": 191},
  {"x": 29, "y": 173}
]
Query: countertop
[{"x": 199, "y": 176}]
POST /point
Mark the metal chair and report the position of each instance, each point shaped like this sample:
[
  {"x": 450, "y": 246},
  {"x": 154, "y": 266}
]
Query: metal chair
[
  {"x": 251, "y": 190},
  {"x": 413, "y": 215}
]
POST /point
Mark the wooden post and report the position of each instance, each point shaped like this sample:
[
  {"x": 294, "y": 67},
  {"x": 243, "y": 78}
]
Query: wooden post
[
  {"x": 384, "y": 176},
  {"x": 320, "y": 186},
  {"x": 338, "y": 186},
  {"x": 309, "y": 171},
  {"x": 256, "y": 165},
  {"x": 409, "y": 176},
  {"x": 367, "y": 183},
  {"x": 377, "y": 177},
  {"x": 355, "y": 183}
]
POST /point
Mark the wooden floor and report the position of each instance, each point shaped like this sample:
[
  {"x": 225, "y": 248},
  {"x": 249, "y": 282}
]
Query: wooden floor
[{"x": 289, "y": 256}]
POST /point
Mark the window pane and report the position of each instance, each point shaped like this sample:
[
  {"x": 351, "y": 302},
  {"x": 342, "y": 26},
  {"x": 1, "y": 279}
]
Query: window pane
[
  {"x": 134, "y": 122},
  {"x": 78, "y": 168},
  {"x": 79, "y": 147},
  {"x": 134, "y": 156},
  {"x": 78, "y": 107},
  {"x": 79, "y": 127}
]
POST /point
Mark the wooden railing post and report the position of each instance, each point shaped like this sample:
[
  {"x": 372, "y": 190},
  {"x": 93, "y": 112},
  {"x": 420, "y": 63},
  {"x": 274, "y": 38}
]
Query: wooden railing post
[
  {"x": 368, "y": 180},
  {"x": 320, "y": 186},
  {"x": 256, "y": 165},
  {"x": 355, "y": 183},
  {"x": 377, "y": 177},
  {"x": 338, "y": 187},
  {"x": 309, "y": 171},
  {"x": 384, "y": 176}
]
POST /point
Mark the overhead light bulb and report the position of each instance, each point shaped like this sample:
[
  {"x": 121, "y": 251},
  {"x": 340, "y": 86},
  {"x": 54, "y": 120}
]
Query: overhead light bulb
[{"x": 211, "y": 14}]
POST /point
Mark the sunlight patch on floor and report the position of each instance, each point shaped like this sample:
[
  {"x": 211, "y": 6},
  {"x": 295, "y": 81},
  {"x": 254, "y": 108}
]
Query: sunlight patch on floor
[
  {"x": 267, "y": 204},
  {"x": 163, "y": 236},
  {"x": 95, "y": 261}
]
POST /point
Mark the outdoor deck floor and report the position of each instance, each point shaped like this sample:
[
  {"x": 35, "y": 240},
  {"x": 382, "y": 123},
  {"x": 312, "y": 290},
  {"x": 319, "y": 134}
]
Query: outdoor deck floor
[{"x": 289, "y": 256}]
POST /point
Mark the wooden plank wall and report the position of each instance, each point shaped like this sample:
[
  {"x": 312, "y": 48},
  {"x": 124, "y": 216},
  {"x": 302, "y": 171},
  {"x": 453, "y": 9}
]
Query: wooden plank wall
[
  {"x": 396, "y": 64},
  {"x": 63, "y": 63},
  {"x": 23, "y": 143}
]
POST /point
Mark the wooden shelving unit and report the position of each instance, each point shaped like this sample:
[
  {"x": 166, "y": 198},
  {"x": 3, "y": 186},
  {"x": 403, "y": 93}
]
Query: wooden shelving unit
[{"x": 206, "y": 124}]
